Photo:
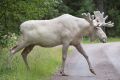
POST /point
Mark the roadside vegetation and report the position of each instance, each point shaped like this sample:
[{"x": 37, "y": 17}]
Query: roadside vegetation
[
  {"x": 42, "y": 61},
  {"x": 87, "y": 41}
]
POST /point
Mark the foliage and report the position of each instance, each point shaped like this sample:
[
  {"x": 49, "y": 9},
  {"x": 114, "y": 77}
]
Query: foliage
[
  {"x": 86, "y": 6},
  {"x": 114, "y": 13},
  {"x": 8, "y": 40}
]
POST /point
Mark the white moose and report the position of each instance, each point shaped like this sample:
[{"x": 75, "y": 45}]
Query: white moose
[{"x": 64, "y": 30}]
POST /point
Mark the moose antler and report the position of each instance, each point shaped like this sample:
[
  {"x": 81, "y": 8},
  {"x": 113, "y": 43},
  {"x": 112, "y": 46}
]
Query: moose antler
[
  {"x": 100, "y": 18},
  {"x": 88, "y": 17}
]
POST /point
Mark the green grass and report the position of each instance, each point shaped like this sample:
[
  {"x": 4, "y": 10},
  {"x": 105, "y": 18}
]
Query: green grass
[
  {"x": 113, "y": 39},
  {"x": 42, "y": 61},
  {"x": 87, "y": 41}
]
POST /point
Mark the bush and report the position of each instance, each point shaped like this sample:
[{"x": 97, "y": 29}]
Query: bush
[{"x": 8, "y": 40}]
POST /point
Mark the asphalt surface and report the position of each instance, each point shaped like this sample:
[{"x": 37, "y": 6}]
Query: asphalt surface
[{"x": 105, "y": 59}]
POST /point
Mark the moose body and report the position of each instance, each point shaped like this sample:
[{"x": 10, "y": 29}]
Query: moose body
[
  {"x": 50, "y": 33},
  {"x": 64, "y": 30}
]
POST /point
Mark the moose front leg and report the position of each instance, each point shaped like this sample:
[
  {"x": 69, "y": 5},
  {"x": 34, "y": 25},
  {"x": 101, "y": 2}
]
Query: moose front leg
[
  {"x": 64, "y": 55},
  {"x": 80, "y": 49}
]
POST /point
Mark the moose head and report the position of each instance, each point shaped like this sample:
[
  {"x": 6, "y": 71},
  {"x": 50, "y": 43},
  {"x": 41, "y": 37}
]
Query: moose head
[{"x": 97, "y": 21}]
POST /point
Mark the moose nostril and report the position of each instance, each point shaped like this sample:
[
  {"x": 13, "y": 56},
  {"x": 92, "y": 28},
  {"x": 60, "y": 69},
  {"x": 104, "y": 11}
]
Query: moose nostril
[{"x": 104, "y": 40}]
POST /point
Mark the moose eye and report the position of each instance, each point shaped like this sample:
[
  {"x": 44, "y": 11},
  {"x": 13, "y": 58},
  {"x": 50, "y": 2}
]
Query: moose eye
[
  {"x": 97, "y": 21},
  {"x": 96, "y": 28}
]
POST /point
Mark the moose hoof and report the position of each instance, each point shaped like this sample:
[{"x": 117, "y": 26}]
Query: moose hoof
[
  {"x": 63, "y": 74},
  {"x": 92, "y": 71}
]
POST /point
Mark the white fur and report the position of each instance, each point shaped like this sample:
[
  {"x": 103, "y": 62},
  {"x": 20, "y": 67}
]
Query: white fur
[{"x": 53, "y": 32}]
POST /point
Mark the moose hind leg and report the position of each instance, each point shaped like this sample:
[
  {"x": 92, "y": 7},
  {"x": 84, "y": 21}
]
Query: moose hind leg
[
  {"x": 80, "y": 49},
  {"x": 24, "y": 54},
  {"x": 14, "y": 50}
]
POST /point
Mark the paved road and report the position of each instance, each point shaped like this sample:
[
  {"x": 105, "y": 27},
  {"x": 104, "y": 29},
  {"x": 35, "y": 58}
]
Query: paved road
[{"x": 105, "y": 59}]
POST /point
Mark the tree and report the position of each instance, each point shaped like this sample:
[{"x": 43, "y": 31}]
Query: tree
[
  {"x": 114, "y": 14},
  {"x": 80, "y": 6}
]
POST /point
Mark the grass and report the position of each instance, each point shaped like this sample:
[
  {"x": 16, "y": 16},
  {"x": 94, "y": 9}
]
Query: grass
[
  {"x": 42, "y": 61},
  {"x": 113, "y": 39},
  {"x": 87, "y": 41}
]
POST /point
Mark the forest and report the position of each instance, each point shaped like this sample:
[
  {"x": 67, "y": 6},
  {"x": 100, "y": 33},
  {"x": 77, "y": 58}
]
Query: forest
[{"x": 14, "y": 12}]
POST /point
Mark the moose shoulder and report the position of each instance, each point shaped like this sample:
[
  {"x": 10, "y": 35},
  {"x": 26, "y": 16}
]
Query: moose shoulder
[{"x": 64, "y": 30}]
